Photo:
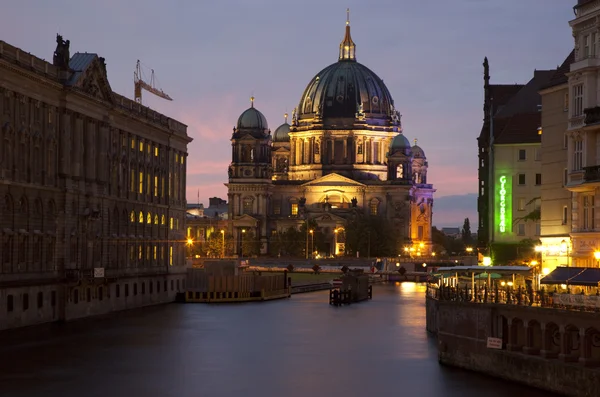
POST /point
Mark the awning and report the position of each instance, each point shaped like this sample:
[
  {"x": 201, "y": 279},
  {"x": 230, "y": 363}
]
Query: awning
[
  {"x": 502, "y": 270},
  {"x": 589, "y": 276},
  {"x": 484, "y": 276},
  {"x": 562, "y": 275}
]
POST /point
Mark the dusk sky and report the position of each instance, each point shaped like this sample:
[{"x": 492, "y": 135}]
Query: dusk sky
[{"x": 211, "y": 56}]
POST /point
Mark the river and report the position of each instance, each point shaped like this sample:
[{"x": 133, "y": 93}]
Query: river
[{"x": 296, "y": 347}]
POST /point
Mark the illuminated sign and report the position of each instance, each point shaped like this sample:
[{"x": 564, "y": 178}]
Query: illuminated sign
[
  {"x": 502, "y": 194},
  {"x": 503, "y": 210}
]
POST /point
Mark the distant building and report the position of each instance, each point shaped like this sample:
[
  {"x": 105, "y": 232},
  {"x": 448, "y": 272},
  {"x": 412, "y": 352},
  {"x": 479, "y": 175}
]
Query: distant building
[
  {"x": 92, "y": 192},
  {"x": 201, "y": 228},
  {"x": 453, "y": 232},
  {"x": 556, "y": 198},
  {"x": 343, "y": 156},
  {"x": 510, "y": 174}
]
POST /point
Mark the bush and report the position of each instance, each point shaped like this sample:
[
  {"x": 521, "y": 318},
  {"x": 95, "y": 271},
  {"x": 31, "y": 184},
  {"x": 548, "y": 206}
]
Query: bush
[
  {"x": 290, "y": 268},
  {"x": 402, "y": 270},
  {"x": 316, "y": 269},
  {"x": 345, "y": 269}
]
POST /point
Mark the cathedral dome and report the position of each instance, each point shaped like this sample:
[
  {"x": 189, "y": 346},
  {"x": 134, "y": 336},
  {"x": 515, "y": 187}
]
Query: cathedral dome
[
  {"x": 252, "y": 119},
  {"x": 282, "y": 133},
  {"x": 418, "y": 153},
  {"x": 347, "y": 90},
  {"x": 400, "y": 142}
]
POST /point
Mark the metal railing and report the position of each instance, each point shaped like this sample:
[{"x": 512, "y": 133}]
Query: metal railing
[{"x": 519, "y": 296}]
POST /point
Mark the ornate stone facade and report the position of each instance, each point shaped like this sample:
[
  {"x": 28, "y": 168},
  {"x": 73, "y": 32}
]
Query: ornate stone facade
[
  {"x": 92, "y": 192},
  {"x": 343, "y": 155}
]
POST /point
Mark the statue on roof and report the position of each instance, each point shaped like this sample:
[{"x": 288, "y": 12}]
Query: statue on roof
[{"x": 61, "y": 54}]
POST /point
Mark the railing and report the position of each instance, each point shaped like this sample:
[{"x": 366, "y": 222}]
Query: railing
[
  {"x": 576, "y": 121},
  {"x": 592, "y": 115},
  {"x": 592, "y": 174},
  {"x": 515, "y": 296}
]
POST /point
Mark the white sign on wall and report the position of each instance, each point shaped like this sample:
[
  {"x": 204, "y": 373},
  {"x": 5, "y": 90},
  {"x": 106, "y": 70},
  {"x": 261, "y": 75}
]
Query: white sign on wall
[
  {"x": 98, "y": 272},
  {"x": 494, "y": 343}
]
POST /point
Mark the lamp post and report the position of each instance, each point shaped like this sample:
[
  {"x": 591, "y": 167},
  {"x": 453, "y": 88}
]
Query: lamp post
[
  {"x": 312, "y": 243},
  {"x": 565, "y": 247},
  {"x": 223, "y": 243},
  {"x": 189, "y": 244},
  {"x": 597, "y": 256},
  {"x": 369, "y": 244},
  {"x": 242, "y": 245},
  {"x": 335, "y": 232}
]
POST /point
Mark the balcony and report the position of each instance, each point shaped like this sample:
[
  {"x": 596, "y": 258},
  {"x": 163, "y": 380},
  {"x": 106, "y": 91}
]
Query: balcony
[
  {"x": 592, "y": 115},
  {"x": 591, "y": 174},
  {"x": 576, "y": 122}
]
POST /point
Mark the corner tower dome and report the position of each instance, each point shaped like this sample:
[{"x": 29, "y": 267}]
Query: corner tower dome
[
  {"x": 282, "y": 133},
  {"x": 251, "y": 118},
  {"x": 346, "y": 91}
]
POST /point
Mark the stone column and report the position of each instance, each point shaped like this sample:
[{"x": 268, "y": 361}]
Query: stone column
[
  {"x": 345, "y": 151},
  {"x": 566, "y": 342}
]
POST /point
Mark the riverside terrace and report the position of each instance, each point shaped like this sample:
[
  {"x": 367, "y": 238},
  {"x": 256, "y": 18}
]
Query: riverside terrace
[{"x": 547, "y": 339}]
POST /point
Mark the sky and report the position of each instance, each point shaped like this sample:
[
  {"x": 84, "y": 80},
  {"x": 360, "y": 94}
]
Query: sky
[{"x": 212, "y": 56}]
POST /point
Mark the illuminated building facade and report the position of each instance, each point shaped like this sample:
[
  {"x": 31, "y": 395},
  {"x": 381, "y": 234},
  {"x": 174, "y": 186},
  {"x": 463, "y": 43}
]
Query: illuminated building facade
[
  {"x": 556, "y": 199},
  {"x": 92, "y": 192},
  {"x": 582, "y": 135},
  {"x": 343, "y": 154},
  {"x": 510, "y": 174}
]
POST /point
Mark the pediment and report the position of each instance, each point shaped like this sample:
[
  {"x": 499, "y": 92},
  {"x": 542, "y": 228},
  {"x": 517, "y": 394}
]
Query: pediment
[
  {"x": 93, "y": 81},
  {"x": 280, "y": 150},
  {"x": 247, "y": 138},
  {"x": 333, "y": 180},
  {"x": 245, "y": 220},
  {"x": 328, "y": 217}
]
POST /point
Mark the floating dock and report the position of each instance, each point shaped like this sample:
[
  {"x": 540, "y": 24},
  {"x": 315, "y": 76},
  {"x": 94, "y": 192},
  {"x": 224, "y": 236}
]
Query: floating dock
[
  {"x": 221, "y": 283},
  {"x": 354, "y": 287}
]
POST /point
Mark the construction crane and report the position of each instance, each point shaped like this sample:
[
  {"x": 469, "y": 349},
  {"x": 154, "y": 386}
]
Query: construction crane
[{"x": 139, "y": 83}]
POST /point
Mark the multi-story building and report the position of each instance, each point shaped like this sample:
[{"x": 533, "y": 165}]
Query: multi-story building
[
  {"x": 509, "y": 165},
  {"x": 583, "y": 134},
  {"x": 92, "y": 192},
  {"x": 343, "y": 157},
  {"x": 556, "y": 199}
]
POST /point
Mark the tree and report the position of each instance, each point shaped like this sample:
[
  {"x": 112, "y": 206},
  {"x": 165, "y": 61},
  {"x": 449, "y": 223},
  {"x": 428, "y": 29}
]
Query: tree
[
  {"x": 467, "y": 238},
  {"x": 371, "y": 234},
  {"x": 250, "y": 244},
  {"x": 316, "y": 269},
  {"x": 534, "y": 215}
]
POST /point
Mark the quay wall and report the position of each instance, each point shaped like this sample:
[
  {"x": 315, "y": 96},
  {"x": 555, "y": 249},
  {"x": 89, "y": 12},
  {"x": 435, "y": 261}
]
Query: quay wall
[{"x": 537, "y": 349}]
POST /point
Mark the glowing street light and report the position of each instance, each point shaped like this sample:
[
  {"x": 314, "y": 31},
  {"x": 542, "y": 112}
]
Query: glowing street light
[
  {"x": 223, "y": 243},
  {"x": 597, "y": 256}
]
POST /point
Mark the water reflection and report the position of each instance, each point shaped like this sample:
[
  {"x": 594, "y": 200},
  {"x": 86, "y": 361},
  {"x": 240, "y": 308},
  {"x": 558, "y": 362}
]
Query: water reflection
[{"x": 296, "y": 347}]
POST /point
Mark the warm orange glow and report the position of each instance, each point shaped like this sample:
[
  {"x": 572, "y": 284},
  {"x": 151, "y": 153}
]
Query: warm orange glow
[{"x": 190, "y": 241}]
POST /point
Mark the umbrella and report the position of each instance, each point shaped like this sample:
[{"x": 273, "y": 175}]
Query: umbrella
[{"x": 484, "y": 276}]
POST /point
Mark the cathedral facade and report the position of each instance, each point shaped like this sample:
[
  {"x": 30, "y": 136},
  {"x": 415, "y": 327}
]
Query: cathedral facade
[{"x": 343, "y": 156}]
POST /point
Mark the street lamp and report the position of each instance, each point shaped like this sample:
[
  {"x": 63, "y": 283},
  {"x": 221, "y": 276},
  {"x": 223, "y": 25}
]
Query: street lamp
[
  {"x": 242, "y": 247},
  {"x": 469, "y": 250},
  {"x": 335, "y": 232},
  {"x": 565, "y": 247},
  {"x": 312, "y": 243},
  {"x": 190, "y": 242},
  {"x": 597, "y": 256},
  {"x": 223, "y": 243}
]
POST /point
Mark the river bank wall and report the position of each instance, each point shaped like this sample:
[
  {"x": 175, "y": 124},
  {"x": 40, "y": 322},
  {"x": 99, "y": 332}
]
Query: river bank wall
[{"x": 550, "y": 349}]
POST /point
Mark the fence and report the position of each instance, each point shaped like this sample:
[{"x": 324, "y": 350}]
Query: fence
[{"x": 515, "y": 296}]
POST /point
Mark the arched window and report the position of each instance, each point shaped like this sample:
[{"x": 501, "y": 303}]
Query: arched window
[
  {"x": 132, "y": 216},
  {"x": 141, "y": 217},
  {"x": 162, "y": 220},
  {"x": 156, "y": 219},
  {"x": 248, "y": 205},
  {"x": 149, "y": 218},
  {"x": 374, "y": 206},
  {"x": 400, "y": 171}
]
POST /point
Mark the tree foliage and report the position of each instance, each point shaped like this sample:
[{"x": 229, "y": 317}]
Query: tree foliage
[
  {"x": 373, "y": 231},
  {"x": 250, "y": 244},
  {"x": 467, "y": 237}
]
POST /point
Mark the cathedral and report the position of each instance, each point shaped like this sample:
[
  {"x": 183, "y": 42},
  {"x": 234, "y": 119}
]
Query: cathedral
[{"x": 344, "y": 155}]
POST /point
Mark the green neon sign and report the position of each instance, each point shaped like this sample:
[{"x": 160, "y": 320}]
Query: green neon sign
[{"x": 503, "y": 213}]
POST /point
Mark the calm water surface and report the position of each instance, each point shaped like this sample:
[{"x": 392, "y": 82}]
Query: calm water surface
[{"x": 296, "y": 347}]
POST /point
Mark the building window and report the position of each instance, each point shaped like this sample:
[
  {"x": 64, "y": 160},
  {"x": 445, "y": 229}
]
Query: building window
[
  {"x": 537, "y": 154},
  {"x": 521, "y": 229},
  {"x": 40, "y": 299},
  {"x": 248, "y": 205},
  {"x": 521, "y": 179},
  {"x": 171, "y": 255},
  {"x": 577, "y": 155},
  {"x": 587, "y": 44},
  {"x": 565, "y": 142},
  {"x": 565, "y": 214},
  {"x": 294, "y": 209},
  {"x": 141, "y": 182},
  {"x": 577, "y": 100},
  {"x": 132, "y": 180},
  {"x": 538, "y": 179},
  {"x": 588, "y": 212},
  {"x": 521, "y": 206},
  {"x": 277, "y": 208},
  {"x": 522, "y": 154},
  {"x": 566, "y": 102},
  {"x": 156, "y": 151},
  {"x": 10, "y": 303},
  {"x": 25, "y": 302},
  {"x": 420, "y": 232},
  {"x": 155, "y": 186},
  {"x": 538, "y": 229},
  {"x": 141, "y": 146},
  {"x": 374, "y": 207}
]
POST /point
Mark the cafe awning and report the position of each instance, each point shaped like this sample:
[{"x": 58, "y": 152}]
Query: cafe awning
[
  {"x": 585, "y": 276},
  {"x": 502, "y": 270}
]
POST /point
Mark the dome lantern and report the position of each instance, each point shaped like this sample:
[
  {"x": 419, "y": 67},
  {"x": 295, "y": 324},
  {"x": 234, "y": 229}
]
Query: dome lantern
[{"x": 347, "y": 46}]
